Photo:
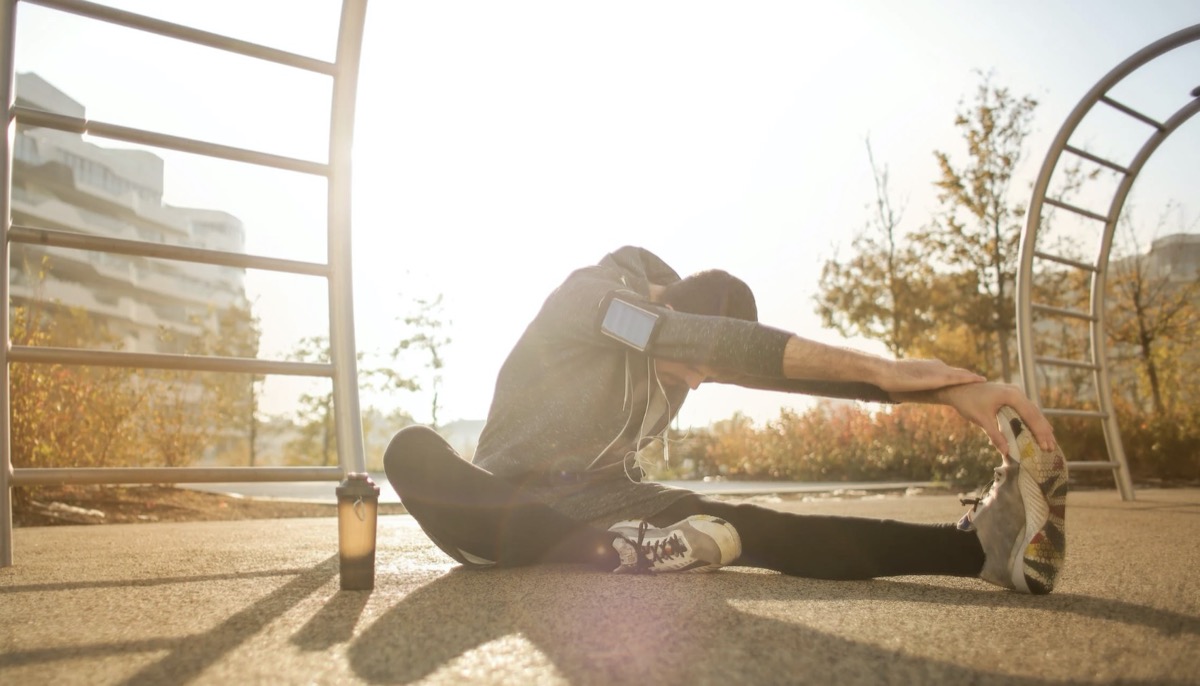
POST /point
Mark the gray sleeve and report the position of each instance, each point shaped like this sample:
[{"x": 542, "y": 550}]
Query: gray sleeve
[
  {"x": 731, "y": 345},
  {"x": 746, "y": 354}
]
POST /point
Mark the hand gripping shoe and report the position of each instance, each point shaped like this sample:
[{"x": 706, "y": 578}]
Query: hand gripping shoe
[{"x": 1021, "y": 520}]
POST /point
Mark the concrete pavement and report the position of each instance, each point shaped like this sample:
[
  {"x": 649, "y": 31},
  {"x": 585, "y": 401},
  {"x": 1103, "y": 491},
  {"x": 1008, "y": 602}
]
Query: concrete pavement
[{"x": 258, "y": 602}]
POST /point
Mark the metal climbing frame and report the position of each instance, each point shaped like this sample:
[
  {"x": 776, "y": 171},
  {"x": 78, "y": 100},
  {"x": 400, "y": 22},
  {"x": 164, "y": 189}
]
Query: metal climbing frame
[
  {"x": 1030, "y": 360},
  {"x": 337, "y": 269}
]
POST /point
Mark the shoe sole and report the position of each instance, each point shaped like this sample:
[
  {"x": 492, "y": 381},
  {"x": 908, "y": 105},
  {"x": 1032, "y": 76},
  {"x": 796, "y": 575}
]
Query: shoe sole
[{"x": 1040, "y": 549}]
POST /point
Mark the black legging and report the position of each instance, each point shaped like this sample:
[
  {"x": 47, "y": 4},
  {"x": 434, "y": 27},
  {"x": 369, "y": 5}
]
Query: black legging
[
  {"x": 471, "y": 513},
  {"x": 477, "y": 517}
]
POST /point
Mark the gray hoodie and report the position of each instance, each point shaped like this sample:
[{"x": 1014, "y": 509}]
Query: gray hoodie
[{"x": 572, "y": 406}]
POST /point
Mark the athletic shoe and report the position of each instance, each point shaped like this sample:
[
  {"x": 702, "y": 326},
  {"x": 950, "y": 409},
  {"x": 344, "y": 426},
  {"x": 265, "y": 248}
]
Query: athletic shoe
[
  {"x": 700, "y": 543},
  {"x": 1021, "y": 521}
]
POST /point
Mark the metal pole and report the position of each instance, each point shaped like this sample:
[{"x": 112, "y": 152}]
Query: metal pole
[
  {"x": 129, "y": 134},
  {"x": 8, "y": 80},
  {"x": 52, "y": 476},
  {"x": 347, "y": 415},
  {"x": 113, "y": 15},
  {"x": 358, "y": 497}
]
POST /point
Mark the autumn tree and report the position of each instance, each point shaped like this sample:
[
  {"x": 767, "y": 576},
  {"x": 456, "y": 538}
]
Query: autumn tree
[
  {"x": 68, "y": 415},
  {"x": 181, "y": 415},
  {"x": 978, "y": 229},
  {"x": 189, "y": 414},
  {"x": 1150, "y": 313},
  {"x": 881, "y": 292},
  {"x": 317, "y": 441},
  {"x": 236, "y": 332},
  {"x": 425, "y": 335}
]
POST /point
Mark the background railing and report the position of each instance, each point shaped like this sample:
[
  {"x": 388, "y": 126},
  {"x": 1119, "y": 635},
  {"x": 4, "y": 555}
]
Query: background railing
[{"x": 342, "y": 368}]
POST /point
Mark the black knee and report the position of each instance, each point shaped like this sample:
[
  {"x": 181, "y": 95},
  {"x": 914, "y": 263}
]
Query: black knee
[
  {"x": 412, "y": 455},
  {"x": 412, "y": 441}
]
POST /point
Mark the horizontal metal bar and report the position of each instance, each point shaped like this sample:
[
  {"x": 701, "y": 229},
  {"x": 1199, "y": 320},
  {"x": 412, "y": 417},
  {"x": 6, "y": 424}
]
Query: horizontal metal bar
[
  {"x": 1065, "y": 260},
  {"x": 1063, "y": 312},
  {"x": 200, "y": 363},
  {"x": 1059, "y": 362},
  {"x": 1098, "y": 160},
  {"x": 171, "y": 30},
  {"x": 1077, "y": 210},
  {"x": 62, "y": 122},
  {"x": 1096, "y": 465},
  {"x": 1131, "y": 112},
  {"x": 170, "y": 475},
  {"x": 82, "y": 241},
  {"x": 1081, "y": 414}
]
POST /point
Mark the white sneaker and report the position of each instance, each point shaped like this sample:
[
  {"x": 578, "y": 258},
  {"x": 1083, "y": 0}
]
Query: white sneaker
[
  {"x": 1021, "y": 521},
  {"x": 700, "y": 543}
]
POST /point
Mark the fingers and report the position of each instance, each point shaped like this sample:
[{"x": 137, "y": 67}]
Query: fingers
[
  {"x": 996, "y": 436},
  {"x": 986, "y": 420},
  {"x": 1043, "y": 433},
  {"x": 980, "y": 403},
  {"x": 1029, "y": 412}
]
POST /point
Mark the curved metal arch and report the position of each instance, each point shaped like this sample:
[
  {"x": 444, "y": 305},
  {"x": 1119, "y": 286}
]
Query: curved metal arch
[{"x": 1025, "y": 307}]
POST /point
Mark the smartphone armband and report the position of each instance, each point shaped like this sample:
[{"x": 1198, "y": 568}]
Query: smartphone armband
[{"x": 627, "y": 322}]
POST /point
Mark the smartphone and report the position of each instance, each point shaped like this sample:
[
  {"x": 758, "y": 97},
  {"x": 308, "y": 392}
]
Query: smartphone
[{"x": 632, "y": 325}]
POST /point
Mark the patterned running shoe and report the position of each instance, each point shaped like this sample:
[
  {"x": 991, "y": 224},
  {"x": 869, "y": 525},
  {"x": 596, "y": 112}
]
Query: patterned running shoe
[
  {"x": 700, "y": 543},
  {"x": 1021, "y": 520}
]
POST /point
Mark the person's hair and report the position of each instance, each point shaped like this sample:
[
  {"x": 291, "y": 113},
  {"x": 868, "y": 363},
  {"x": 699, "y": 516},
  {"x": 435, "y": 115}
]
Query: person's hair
[{"x": 712, "y": 292}]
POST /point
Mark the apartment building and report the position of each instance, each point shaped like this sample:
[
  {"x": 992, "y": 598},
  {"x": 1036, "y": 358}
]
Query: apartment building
[
  {"x": 62, "y": 181},
  {"x": 1175, "y": 258}
]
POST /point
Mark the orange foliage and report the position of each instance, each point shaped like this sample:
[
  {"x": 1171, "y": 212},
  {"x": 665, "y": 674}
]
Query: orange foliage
[{"x": 852, "y": 442}]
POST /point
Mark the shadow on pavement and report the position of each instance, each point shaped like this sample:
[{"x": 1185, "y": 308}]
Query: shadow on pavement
[
  {"x": 597, "y": 628},
  {"x": 187, "y": 657}
]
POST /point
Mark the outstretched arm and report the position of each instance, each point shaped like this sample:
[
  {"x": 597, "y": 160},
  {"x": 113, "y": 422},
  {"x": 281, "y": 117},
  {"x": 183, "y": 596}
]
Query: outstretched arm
[
  {"x": 805, "y": 359},
  {"x": 925, "y": 381}
]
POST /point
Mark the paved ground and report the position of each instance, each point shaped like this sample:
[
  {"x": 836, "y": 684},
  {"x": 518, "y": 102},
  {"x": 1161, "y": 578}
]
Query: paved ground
[{"x": 258, "y": 602}]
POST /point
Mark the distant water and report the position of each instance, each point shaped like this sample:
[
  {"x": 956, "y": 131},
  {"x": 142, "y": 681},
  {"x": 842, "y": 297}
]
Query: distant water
[{"x": 323, "y": 491}]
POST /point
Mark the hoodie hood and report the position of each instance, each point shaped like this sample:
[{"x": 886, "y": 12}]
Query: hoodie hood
[{"x": 640, "y": 267}]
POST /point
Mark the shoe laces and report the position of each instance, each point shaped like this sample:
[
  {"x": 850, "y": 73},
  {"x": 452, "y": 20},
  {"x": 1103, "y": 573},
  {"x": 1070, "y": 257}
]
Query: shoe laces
[
  {"x": 977, "y": 499},
  {"x": 982, "y": 495},
  {"x": 658, "y": 550}
]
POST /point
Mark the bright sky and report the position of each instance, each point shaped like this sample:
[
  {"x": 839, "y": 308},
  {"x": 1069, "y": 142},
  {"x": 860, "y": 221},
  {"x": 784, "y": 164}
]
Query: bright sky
[{"x": 501, "y": 145}]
